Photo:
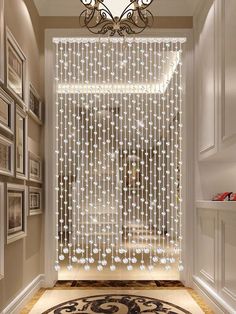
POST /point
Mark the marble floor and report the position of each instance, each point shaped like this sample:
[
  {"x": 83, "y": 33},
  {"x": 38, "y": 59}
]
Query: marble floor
[{"x": 179, "y": 300}]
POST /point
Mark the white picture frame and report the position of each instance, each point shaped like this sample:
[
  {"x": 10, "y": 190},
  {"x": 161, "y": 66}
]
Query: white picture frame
[
  {"x": 34, "y": 102},
  {"x": 35, "y": 201},
  {"x": 21, "y": 145},
  {"x": 15, "y": 68},
  {"x": 2, "y": 224},
  {"x": 7, "y": 112},
  {"x": 2, "y": 54},
  {"x": 16, "y": 212},
  {"x": 34, "y": 168},
  {"x": 6, "y": 156}
]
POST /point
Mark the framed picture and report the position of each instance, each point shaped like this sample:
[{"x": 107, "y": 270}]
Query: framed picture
[
  {"x": 2, "y": 41},
  {"x": 6, "y": 156},
  {"x": 35, "y": 201},
  {"x": 16, "y": 63},
  {"x": 35, "y": 105},
  {"x": 21, "y": 144},
  {"x": 16, "y": 212},
  {"x": 2, "y": 223},
  {"x": 35, "y": 168},
  {"x": 6, "y": 112}
]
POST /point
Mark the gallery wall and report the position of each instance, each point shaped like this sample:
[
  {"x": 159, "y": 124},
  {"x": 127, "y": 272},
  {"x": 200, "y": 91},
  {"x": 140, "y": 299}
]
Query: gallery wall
[{"x": 23, "y": 258}]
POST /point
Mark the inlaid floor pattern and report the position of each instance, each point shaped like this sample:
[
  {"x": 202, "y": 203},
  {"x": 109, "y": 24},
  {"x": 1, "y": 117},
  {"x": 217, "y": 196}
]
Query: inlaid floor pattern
[{"x": 118, "y": 284}]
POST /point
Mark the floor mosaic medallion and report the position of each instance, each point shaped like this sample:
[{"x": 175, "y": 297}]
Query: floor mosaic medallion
[{"x": 118, "y": 304}]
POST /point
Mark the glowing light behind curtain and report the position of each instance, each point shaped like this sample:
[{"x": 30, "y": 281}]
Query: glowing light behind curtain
[{"x": 119, "y": 148}]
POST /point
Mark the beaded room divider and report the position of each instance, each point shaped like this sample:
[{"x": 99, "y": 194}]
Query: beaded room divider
[{"x": 119, "y": 152}]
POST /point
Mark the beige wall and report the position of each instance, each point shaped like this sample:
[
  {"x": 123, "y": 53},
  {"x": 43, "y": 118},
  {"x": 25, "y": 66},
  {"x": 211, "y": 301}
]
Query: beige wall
[{"x": 23, "y": 258}]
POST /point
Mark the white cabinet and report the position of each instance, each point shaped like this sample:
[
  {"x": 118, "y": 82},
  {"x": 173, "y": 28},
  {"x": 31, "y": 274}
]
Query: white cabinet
[
  {"x": 227, "y": 27},
  {"x": 215, "y": 251},
  {"x": 215, "y": 64},
  {"x": 227, "y": 261}
]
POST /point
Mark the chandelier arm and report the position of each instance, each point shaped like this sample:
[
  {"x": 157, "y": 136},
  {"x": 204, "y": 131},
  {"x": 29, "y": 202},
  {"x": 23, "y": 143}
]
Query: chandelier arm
[
  {"x": 99, "y": 23},
  {"x": 102, "y": 26},
  {"x": 127, "y": 26},
  {"x": 145, "y": 6},
  {"x": 127, "y": 9},
  {"x": 87, "y": 5},
  {"x": 87, "y": 17},
  {"x": 132, "y": 21},
  {"x": 106, "y": 9},
  {"x": 145, "y": 19}
]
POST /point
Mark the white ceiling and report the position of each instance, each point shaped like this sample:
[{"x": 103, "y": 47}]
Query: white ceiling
[{"x": 159, "y": 7}]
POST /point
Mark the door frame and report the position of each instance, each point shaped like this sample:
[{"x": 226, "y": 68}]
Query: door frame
[{"x": 51, "y": 275}]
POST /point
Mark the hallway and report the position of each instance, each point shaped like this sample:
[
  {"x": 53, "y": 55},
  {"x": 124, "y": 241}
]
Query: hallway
[{"x": 117, "y": 156}]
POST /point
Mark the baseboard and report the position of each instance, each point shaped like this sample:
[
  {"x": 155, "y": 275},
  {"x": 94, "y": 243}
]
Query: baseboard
[
  {"x": 24, "y": 296},
  {"x": 215, "y": 302}
]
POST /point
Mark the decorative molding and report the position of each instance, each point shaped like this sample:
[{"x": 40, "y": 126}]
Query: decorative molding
[
  {"x": 203, "y": 6},
  {"x": 24, "y": 296},
  {"x": 211, "y": 297},
  {"x": 207, "y": 276},
  {"x": 206, "y": 149},
  {"x": 223, "y": 95},
  {"x": 226, "y": 219},
  {"x": 203, "y": 216},
  {"x": 229, "y": 206}
]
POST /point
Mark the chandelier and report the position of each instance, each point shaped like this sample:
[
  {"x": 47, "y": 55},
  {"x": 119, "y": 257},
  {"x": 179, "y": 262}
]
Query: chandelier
[{"x": 124, "y": 17}]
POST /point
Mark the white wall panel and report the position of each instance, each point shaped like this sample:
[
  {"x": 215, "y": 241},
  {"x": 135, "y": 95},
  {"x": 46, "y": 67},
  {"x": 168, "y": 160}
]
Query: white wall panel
[
  {"x": 228, "y": 256},
  {"x": 205, "y": 67},
  {"x": 228, "y": 109},
  {"x": 206, "y": 245}
]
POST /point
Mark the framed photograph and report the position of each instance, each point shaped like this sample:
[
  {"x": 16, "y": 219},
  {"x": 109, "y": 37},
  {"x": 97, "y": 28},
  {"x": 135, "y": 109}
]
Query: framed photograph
[
  {"x": 16, "y": 212},
  {"x": 35, "y": 105},
  {"x": 35, "y": 168},
  {"x": 35, "y": 201},
  {"x": 2, "y": 41},
  {"x": 6, "y": 156},
  {"x": 16, "y": 63},
  {"x": 6, "y": 112},
  {"x": 2, "y": 224},
  {"x": 21, "y": 144}
]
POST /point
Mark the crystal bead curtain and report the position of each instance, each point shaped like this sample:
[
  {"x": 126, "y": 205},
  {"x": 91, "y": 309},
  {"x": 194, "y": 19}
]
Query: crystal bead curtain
[{"x": 118, "y": 153}]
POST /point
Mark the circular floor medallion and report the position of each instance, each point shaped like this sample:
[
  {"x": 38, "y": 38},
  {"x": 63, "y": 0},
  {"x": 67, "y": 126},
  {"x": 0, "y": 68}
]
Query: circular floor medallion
[{"x": 116, "y": 303}]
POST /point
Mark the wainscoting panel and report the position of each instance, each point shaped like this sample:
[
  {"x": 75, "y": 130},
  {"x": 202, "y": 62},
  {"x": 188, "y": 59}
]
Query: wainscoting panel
[
  {"x": 215, "y": 255},
  {"x": 228, "y": 256},
  {"x": 228, "y": 97},
  {"x": 207, "y": 109},
  {"x": 206, "y": 246}
]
